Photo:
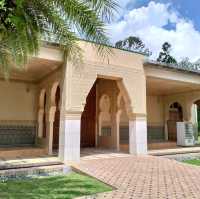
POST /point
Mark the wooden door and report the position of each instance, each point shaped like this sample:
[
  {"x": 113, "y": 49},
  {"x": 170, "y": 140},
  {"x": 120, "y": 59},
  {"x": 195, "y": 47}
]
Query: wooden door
[
  {"x": 172, "y": 132},
  {"x": 174, "y": 117},
  {"x": 88, "y": 120},
  {"x": 56, "y": 124}
]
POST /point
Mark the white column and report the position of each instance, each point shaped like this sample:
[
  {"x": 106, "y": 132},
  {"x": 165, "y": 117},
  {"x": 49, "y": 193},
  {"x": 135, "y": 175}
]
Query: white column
[
  {"x": 118, "y": 114},
  {"x": 138, "y": 136},
  {"x": 40, "y": 122},
  {"x": 166, "y": 131},
  {"x": 69, "y": 144},
  {"x": 70, "y": 119},
  {"x": 50, "y": 122},
  {"x": 50, "y": 137}
]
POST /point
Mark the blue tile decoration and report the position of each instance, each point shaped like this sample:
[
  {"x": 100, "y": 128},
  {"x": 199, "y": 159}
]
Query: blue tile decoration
[{"x": 17, "y": 135}]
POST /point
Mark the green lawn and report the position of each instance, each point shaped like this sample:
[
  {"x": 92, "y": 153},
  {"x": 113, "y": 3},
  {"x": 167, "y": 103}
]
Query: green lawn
[
  {"x": 194, "y": 162},
  {"x": 54, "y": 187},
  {"x": 199, "y": 139}
]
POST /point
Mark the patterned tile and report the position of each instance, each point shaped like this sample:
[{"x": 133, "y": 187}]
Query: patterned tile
[{"x": 144, "y": 177}]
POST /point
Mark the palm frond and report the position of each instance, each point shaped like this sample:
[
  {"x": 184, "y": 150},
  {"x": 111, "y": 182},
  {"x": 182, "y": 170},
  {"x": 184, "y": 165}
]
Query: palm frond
[{"x": 25, "y": 22}]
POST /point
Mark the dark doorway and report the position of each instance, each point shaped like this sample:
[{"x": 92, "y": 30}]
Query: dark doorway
[
  {"x": 56, "y": 123},
  {"x": 175, "y": 115},
  {"x": 88, "y": 120}
]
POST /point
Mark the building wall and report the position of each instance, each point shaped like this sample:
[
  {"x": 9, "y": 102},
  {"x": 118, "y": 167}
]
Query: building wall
[
  {"x": 120, "y": 65},
  {"x": 155, "y": 117},
  {"x": 17, "y": 113},
  {"x": 17, "y": 102},
  {"x": 158, "y": 111},
  {"x": 124, "y": 67}
]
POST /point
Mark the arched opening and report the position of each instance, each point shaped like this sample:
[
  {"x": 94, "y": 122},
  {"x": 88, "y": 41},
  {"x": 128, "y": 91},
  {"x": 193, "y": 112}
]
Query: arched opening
[
  {"x": 104, "y": 121},
  {"x": 88, "y": 120},
  {"x": 56, "y": 123},
  {"x": 175, "y": 115},
  {"x": 195, "y": 117}
]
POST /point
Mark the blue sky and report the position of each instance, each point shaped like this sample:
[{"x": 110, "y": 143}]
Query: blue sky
[
  {"x": 189, "y": 9},
  {"x": 157, "y": 21}
]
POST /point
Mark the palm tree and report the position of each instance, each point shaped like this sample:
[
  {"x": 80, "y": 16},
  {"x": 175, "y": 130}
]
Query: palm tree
[{"x": 24, "y": 23}]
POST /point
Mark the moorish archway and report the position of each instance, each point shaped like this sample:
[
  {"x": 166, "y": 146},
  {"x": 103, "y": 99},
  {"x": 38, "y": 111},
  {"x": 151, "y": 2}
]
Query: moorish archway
[{"x": 88, "y": 120}]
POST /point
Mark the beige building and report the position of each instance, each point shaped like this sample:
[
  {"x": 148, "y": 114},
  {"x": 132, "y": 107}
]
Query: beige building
[{"x": 123, "y": 103}]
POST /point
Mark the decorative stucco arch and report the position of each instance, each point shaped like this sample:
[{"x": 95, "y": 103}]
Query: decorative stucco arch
[
  {"x": 123, "y": 94},
  {"x": 122, "y": 108},
  {"x": 189, "y": 106},
  {"x": 41, "y": 112},
  {"x": 42, "y": 98},
  {"x": 168, "y": 108},
  {"x": 51, "y": 115},
  {"x": 53, "y": 93}
]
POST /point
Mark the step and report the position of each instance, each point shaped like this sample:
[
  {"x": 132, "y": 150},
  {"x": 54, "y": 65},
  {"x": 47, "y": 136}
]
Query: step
[
  {"x": 34, "y": 171},
  {"x": 22, "y": 152}
]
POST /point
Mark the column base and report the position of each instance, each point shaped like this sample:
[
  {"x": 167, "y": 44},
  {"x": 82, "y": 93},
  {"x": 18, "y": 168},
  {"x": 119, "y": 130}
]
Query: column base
[
  {"x": 69, "y": 145},
  {"x": 138, "y": 136}
]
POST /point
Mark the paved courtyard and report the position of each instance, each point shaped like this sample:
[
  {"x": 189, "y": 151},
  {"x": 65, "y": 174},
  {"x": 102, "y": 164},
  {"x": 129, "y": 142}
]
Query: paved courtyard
[{"x": 143, "y": 177}]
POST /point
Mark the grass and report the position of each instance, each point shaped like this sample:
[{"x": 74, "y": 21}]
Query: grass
[
  {"x": 193, "y": 161},
  {"x": 198, "y": 139},
  {"x": 54, "y": 187}
]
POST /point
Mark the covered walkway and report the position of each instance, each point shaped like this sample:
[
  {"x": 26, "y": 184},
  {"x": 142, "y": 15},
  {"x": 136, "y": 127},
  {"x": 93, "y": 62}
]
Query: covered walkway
[{"x": 172, "y": 96}]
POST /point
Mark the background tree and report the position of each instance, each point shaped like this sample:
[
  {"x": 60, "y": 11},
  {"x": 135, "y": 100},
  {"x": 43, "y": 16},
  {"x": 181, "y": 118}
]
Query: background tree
[
  {"x": 164, "y": 55},
  {"x": 185, "y": 63},
  {"x": 23, "y": 23},
  {"x": 132, "y": 43}
]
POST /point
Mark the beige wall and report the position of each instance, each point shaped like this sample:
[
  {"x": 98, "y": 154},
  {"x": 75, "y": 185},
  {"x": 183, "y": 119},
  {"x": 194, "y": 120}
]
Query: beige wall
[
  {"x": 155, "y": 111},
  {"x": 158, "y": 109},
  {"x": 121, "y": 65},
  {"x": 17, "y": 101}
]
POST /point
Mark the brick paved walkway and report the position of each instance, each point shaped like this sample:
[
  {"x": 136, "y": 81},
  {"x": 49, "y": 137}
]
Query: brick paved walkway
[{"x": 144, "y": 177}]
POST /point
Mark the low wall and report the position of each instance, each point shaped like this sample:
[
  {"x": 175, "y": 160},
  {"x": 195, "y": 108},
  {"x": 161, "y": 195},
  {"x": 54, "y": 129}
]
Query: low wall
[
  {"x": 17, "y": 135},
  {"x": 155, "y": 133}
]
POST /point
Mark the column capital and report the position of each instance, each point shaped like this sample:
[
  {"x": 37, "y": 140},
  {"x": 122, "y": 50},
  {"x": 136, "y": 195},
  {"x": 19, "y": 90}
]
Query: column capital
[
  {"x": 51, "y": 114},
  {"x": 73, "y": 115},
  {"x": 138, "y": 116}
]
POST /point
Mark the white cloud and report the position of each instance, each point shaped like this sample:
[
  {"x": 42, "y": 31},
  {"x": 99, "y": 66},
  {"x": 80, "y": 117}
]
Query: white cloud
[{"x": 148, "y": 23}]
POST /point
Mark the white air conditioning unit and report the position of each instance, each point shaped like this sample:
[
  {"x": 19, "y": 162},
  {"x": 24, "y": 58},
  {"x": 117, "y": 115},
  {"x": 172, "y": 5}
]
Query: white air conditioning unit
[{"x": 185, "y": 134}]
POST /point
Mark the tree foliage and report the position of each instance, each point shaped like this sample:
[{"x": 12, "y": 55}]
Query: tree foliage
[
  {"x": 185, "y": 63},
  {"x": 23, "y": 23},
  {"x": 164, "y": 55},
  {"x": 133, "y": 43}
]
